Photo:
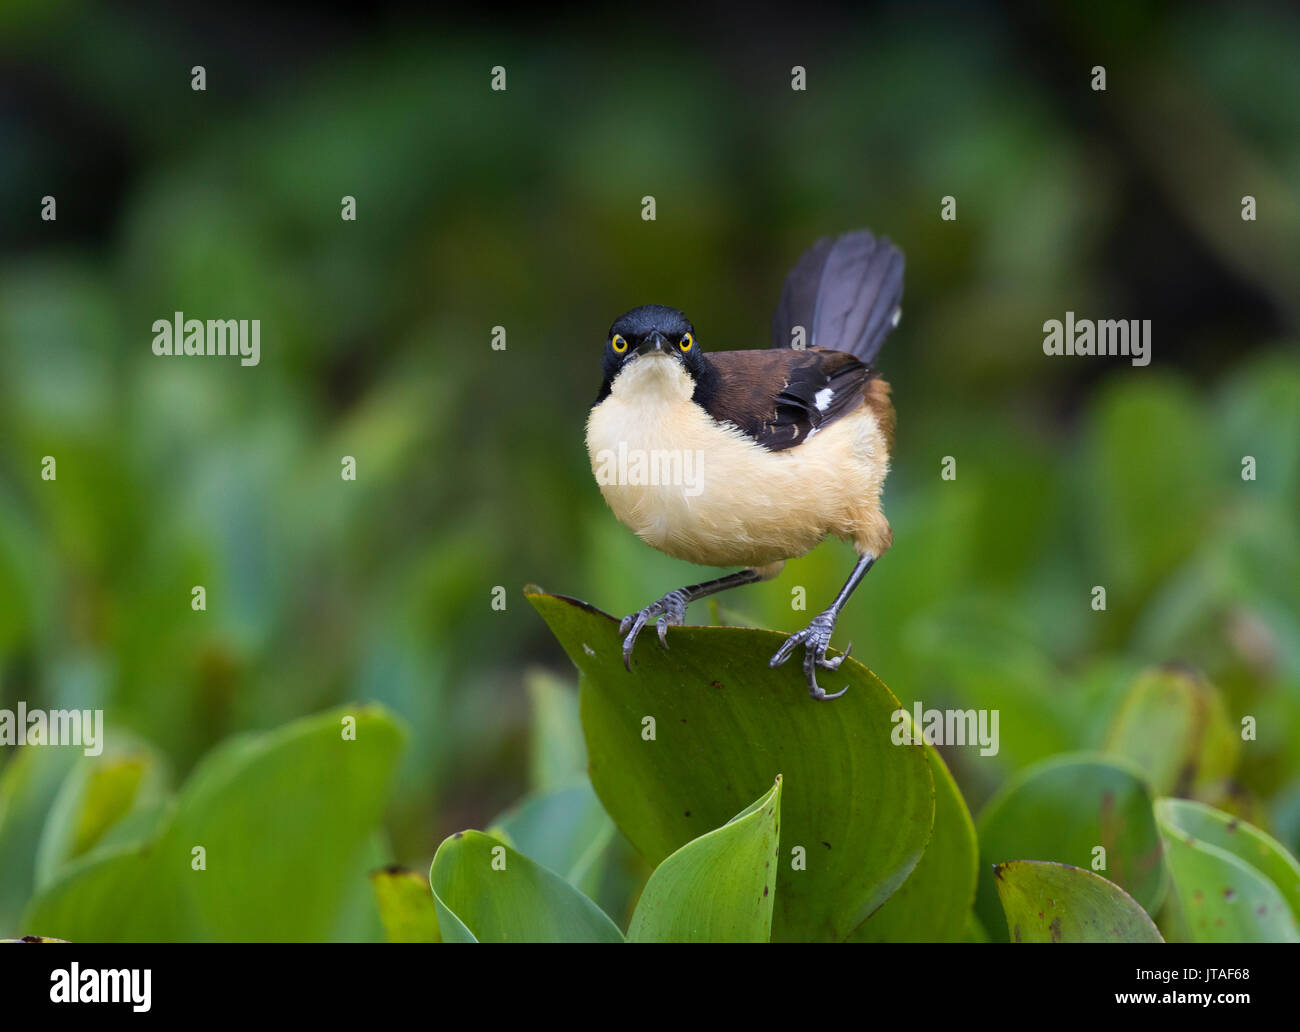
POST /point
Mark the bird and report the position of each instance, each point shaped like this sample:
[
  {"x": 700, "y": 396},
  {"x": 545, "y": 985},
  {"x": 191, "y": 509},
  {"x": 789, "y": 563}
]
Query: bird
[{"x": 750, "y": 458}]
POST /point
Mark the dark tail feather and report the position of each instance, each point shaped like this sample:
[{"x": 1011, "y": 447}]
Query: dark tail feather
[{"x": 845, "y": 292}]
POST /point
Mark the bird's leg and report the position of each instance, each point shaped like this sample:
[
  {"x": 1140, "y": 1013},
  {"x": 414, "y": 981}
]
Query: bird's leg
[
  {"x": 816, "y": 637},
  {"x": 671, "y": 609}
]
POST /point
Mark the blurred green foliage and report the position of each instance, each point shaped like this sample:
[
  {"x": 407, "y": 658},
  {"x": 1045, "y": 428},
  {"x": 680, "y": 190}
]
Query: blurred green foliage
[
  {"x": 522, "y": 209},
  {"x": 269, "y": 839}
]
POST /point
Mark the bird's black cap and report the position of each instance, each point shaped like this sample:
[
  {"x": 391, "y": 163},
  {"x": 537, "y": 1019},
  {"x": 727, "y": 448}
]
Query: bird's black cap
[{"x": 640, "y": 322}]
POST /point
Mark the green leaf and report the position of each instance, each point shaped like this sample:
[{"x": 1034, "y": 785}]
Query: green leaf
[
  {"x": 29, "y": 784},
  {"x": 718, "y": 887},
  {"x": 934, "y": 903},
  {"x": 1173, "y": 726},
  {"x": 485, "y": 891},
  {"x": 281, "y": 870},
  {"x": 1062, "y": 810},
  {"x": 111, "y": 799},
  {"x": 1232, "y": 882},
  {"x": 109, "y": 897},
  {"x": 566, "y": 830},
  {"x": 1050, "y": 902},
  {"x": 857, "y": 808},
  {"x": 1245, "y": 841},
  {"x": 557, "y": 754},
  {"x": 406, "y": 905}
]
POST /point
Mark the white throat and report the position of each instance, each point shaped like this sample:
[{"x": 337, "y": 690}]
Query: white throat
[{"x": 651, "y": 380}]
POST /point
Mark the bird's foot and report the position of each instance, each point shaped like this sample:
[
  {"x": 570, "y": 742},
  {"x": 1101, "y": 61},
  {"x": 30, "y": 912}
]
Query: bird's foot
[
  {"x": 815, "y": 638},
  {"x": 668, "y": 611}
]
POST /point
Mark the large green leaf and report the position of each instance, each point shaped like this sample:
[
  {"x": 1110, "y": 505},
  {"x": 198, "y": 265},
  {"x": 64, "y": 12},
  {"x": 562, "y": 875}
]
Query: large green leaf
[
  {"x": 1050, "y": 902},
  {"x": 1062, "y": 810},
  {"x": 406, "y": 905},
  {"x": 487, "y": 892},
  {"x": 285, "y": 820},
  {"x": 718, "y": 887},
  {"x": 1173, "y": 725},
  {"x": 857, "y": 810},
  {"x": 1231, "y": 882},
  {"x": 934, "y": 903}
]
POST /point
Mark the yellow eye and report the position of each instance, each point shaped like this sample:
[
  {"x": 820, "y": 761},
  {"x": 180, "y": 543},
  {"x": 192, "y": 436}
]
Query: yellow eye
[
  {"x": 619, "y": 344},
  {"x": 686, "y": 342}
]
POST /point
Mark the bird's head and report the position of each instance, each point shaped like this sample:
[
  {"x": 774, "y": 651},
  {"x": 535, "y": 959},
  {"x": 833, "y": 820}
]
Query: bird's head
[{"x": 651, "y": 334}]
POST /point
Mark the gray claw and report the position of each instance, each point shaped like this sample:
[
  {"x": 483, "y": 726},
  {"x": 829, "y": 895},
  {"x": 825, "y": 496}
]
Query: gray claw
[
  {"x": 669, "y": 611},
  {"x": 834, "y": 664},
  {"x": 815, "y": 638}
]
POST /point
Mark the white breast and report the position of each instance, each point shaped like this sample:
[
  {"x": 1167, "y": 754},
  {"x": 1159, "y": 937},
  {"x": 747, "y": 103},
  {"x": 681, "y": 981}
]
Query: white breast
[{"x": 708, "y": 493}]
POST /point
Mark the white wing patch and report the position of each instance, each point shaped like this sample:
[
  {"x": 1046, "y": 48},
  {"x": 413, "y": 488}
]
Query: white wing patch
[{"x": 823, "y": 398}]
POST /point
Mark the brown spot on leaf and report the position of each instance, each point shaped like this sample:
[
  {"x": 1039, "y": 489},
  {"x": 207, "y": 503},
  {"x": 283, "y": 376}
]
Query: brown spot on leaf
[{"x": 1055, "y": 926}]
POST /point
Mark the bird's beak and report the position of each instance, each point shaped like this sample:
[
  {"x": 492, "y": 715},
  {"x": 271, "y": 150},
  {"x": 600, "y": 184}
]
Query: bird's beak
[{"x": 654, "y": 342}]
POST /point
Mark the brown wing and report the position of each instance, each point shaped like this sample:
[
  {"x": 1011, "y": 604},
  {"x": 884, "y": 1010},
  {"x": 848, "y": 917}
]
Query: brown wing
[{"x": 782, "y": 397}]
